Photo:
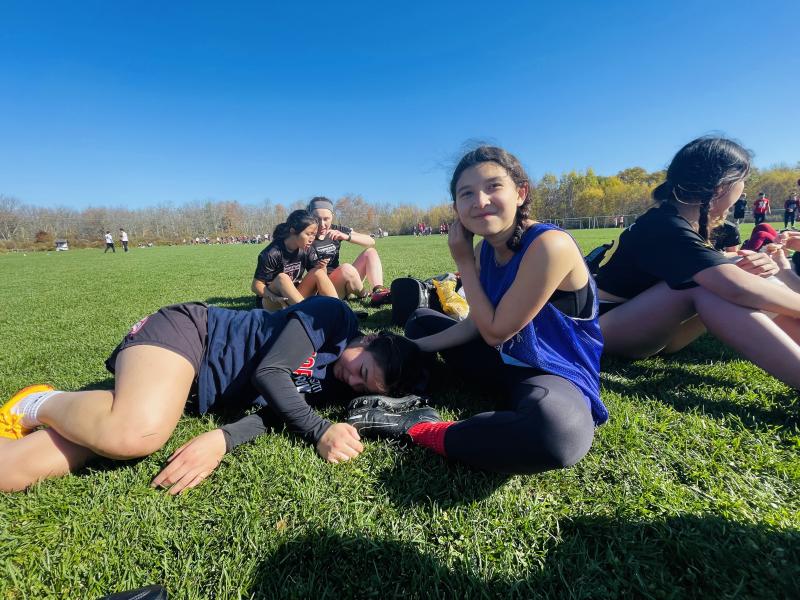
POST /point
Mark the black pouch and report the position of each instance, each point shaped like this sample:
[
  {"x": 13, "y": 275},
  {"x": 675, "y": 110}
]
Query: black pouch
[{"x": 409, "y": 294}]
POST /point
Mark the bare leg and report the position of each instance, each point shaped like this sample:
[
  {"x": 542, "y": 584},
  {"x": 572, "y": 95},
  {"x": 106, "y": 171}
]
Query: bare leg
[
  {"x": 283, "y": 286},
  {"x": 368, "y": 264},
  {"x": 317, "y": 282},
  {"x": 39, "y": 455},
  {"x": 654, "y": 320},
  {"x": 790, "y": 326},
  {"x": 347, "y": 280},
  {"x": 646, "y": 324},
  {"x": 687, "y": 332},
  {"x": 150, "y": 391}
]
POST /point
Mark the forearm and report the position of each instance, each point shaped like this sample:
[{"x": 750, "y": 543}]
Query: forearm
[
  {"x": 481, "y": 310},
  {"x": 258, "y": 287},
  {"x": 764, "y": 295},
  {"x": 457, "y": 335},
  {"x": 362, "y": 239},
  {"x": 244, "y": 430},
  {"x": 790, "y": 278},
  {"x": 273, "y": 378}
]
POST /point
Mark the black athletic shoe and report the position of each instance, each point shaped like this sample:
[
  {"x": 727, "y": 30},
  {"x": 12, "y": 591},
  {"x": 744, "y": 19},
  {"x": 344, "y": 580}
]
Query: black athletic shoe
[
  {"x": 380, "y": 423},
  {"x": 394, "y": 405}
]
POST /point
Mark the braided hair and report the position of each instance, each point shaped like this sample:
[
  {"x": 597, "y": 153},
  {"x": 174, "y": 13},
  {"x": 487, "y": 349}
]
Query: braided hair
[
  {"x": 701, "y": 170},
  {"x": 514, "y": 169}
]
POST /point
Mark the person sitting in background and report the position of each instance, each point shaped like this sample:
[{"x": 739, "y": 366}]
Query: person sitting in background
[
  {"x": 348, "y": 279},
  {"x": 279, "y": 279},
  {"x": 726, "y": 237}
]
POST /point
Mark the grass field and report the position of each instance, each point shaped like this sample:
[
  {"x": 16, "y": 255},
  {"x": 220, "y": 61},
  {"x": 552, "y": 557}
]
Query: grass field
[{"x": 691, "y": 489}]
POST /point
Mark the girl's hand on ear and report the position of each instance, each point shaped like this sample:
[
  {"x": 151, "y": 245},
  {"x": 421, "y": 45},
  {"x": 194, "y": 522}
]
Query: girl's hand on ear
[{"x": 459, "y": 241}]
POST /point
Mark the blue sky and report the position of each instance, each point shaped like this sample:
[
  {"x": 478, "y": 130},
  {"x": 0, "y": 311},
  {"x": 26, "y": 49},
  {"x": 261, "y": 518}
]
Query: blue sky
[{"x": 142, "y": 103}]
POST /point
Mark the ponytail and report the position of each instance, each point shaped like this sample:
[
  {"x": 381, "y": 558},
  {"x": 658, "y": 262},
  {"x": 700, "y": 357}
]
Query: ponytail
[{"x": 297, "y": 221}]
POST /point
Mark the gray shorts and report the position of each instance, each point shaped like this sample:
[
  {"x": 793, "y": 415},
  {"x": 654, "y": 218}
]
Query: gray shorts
[{"x": 181, "y": 328}]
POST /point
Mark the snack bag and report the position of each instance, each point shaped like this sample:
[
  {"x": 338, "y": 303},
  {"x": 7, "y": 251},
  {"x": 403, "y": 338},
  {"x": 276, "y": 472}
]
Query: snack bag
[{"x": 452, "y": 303}]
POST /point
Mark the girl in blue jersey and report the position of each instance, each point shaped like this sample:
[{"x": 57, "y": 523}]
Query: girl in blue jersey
[
  {"x": 531, "y": 339},
  {"x": 230, "y": 361}
]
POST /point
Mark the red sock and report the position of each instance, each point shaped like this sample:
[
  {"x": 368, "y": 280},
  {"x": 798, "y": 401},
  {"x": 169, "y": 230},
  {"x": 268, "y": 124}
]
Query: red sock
[{"x": 430, "y": 435}]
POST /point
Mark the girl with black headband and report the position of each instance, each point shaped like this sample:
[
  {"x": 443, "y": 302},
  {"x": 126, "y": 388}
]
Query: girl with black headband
[
  {"x": 666, "y": 285},
  {"x": 347, "y": 278}
]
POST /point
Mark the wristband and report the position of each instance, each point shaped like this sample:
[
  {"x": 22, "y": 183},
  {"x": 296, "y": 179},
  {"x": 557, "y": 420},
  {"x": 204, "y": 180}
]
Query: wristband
[{"x": 350, "y": 236}]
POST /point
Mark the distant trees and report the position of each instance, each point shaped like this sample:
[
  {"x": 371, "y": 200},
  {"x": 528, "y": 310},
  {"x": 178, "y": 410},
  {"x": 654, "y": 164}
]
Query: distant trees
[{"x": 555, "y": 198}]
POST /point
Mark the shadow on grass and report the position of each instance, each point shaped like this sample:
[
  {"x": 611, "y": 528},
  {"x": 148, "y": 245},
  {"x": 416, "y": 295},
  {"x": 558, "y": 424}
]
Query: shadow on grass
[
  {"x": 590, "y": 557},
  {"x": 421, "y": 477},
  {"x": 682, "y": 389},
  {"x": 237, "y": 303}
]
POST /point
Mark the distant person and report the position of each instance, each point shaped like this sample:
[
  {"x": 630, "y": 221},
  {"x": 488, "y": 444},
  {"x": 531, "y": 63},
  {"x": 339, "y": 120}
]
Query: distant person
[
  {"x": 123, "y": 236},
  {"x": 347, "y": 278},
  {"x": 761, "y": 208},
  {"x": 280, "y": 279},
  {"x": 740, "y": 208},
  {"x": 790, "y": 211},
  {"x": 109, "y": 243}
]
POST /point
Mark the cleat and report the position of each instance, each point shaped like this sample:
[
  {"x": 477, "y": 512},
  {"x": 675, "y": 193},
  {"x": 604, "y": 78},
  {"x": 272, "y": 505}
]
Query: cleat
[
  {"x": 380, "y": 423},
  {"x": 10, "y": 422},
  {"x": 393, "y": 405},
  {"x": 380, "y": 295}
]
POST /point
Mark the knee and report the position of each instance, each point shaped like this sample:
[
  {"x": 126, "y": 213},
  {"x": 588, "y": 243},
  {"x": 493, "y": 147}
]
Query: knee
[
  {"x": 11, "y": 480},
  {"x": 130, "y": 442},
  {"x": 371, "y": 254},
  {"x": 281, "y": 281},
  {"x": 558, "y": 442},
  {"x": 350, "y": 273}
]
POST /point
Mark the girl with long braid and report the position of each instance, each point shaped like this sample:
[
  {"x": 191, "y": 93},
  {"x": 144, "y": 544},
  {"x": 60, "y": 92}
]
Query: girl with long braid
[
  {"x": 531, "y": 340},
  {"x": 666, "y": 285}
]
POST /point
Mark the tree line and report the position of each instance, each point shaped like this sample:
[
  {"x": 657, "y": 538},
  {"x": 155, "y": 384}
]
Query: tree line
[{"x": 561, "y": 198}]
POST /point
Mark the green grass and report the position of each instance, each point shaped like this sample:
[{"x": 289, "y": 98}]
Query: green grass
[{"x": 691, "y": 489}]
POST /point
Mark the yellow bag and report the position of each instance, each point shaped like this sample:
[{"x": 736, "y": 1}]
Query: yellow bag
[{"x": 452, "y": 304}]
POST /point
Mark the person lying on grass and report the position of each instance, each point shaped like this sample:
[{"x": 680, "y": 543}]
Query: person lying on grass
[
  {"x": 531, "y": 339},
  {"x": 231, "y": 361},
  {"x": 278, "y": 281},
  {"x": 666, "y": 285},
  {"x": 347, "y": 278}
]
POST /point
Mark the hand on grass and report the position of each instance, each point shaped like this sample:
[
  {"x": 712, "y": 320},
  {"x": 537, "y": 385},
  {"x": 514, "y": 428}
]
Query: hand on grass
[
  {"x": 339, "y": 443},
  {"x": 190, "y": 464},
  {"x": 757, "y": 263}
]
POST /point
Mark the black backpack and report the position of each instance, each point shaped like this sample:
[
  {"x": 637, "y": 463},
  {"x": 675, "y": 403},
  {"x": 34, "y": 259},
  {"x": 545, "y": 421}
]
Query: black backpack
[
  {"x": 408, "y": 294},
  {"x": 596, "y": 256}
]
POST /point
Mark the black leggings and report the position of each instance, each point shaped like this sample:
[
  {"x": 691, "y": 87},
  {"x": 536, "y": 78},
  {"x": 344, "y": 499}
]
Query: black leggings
[{"x": 543, "y": 422}]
